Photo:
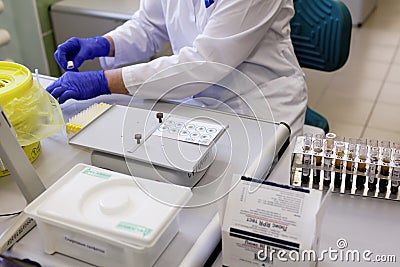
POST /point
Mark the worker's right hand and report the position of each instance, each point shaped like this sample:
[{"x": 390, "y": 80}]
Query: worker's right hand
[
  {"x": 79, "y": 86},
  {"x": 78, "y": 50}
]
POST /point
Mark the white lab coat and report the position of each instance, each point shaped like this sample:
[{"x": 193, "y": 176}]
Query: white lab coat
[{"x": 243, "y": 46}]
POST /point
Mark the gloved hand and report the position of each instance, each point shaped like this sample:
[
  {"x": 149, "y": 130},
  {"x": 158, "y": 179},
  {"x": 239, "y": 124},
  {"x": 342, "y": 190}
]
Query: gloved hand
[
  {"x": 80, "y": 49},
  {"x": 79, "y": 85}
]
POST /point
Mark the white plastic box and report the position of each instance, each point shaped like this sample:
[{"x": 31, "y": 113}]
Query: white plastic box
[
  {"x": 268, "y": 224},
  {"x": 106, "y": 218}
]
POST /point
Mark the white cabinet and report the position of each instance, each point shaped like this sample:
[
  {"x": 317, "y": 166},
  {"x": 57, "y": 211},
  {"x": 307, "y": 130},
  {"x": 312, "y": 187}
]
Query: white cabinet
[
  {"x": 89, "y": 18},
  {"x": 360, "y": 9}
]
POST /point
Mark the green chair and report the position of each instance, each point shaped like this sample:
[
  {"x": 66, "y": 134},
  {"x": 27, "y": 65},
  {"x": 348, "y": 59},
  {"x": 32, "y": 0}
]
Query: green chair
[{"x": 321, "y": 34}]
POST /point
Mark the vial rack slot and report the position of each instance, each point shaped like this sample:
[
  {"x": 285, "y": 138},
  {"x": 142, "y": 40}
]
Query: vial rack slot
[{"x": 353, "y": 166}]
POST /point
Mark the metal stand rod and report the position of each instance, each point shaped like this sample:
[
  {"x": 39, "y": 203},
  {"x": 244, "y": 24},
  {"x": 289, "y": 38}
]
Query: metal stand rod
[{"x": 24, "y": 175}]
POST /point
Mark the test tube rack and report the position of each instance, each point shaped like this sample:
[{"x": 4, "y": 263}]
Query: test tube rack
[{"x": 344, "y": 170}]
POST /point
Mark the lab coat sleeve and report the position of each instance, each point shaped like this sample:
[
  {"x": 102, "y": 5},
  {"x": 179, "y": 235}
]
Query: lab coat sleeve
[
  {"x": 140, "y": 37},
  {"x": 233, "y": 31}
]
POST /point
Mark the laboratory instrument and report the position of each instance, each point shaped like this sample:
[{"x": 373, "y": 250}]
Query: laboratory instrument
[
  {"x": 178, "y": 150},
  {"x": 109, "y": 219}
]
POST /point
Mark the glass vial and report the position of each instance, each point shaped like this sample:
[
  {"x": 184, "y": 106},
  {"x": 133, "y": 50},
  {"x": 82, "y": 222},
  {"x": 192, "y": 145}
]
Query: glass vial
[
  {"x": 351, "y": 154},
  {"x": 305, "y": 174},
  {"x": 317, "y": 148},
  {"x": 362, "y": 164},
  {"x": 386, "y": 157},
  {"x": 340, "y": 151},
  {"x": 394, "y": 189},
  {"x": 372, "y": 169},
  {"x": 329, "y": 146}
]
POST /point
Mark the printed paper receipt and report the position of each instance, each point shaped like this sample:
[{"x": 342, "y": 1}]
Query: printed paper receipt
[{"x": 192, "y": 131}]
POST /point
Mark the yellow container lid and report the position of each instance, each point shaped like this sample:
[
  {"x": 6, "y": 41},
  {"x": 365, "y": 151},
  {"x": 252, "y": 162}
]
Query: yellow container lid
[
  {"x": 15, "y": 80},
  {"x": 33, "y": 112}
]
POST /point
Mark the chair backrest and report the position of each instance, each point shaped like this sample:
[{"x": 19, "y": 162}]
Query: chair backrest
[{"x": 321, "y": 33}]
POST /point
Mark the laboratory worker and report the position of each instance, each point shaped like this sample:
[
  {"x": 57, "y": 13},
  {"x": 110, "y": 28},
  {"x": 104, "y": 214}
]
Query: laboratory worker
[{"x": 232, "y": 55}]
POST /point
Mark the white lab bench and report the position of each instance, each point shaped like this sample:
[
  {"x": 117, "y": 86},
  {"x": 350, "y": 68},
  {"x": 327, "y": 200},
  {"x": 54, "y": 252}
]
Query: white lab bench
[{"x": 366, "y": 224}]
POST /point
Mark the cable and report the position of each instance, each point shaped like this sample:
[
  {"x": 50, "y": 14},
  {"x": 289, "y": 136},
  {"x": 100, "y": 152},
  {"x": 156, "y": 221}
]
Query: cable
[{"x": 10, "y": 214}]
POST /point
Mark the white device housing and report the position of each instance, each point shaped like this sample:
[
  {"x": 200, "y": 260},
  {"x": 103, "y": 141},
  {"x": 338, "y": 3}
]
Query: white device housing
[
  {"x": 108, "y": 219},
  {"x": 112, "y": 139}
]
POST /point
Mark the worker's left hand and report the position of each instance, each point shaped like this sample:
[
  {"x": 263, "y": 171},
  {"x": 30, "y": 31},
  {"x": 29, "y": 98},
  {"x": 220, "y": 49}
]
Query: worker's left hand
[
  {"x": 79, "y": 85},
  {"x": 78, "y": 50}
]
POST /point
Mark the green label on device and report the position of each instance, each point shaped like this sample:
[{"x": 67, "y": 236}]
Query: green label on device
[
  {"x": 138, "y": 229},
  {"x": 96, "y": 173}
]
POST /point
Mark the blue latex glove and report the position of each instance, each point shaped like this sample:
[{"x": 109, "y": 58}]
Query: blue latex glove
[
  {"x": 80, "y": 49},
  {"x": 208, "y": 3},
  {"x": 79, "y": 85}
]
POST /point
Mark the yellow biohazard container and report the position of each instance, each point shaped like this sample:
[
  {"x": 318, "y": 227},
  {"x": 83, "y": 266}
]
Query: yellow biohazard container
[
  {"x": 33, "y": 113},
  {"x": 15, "y": 81}
]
